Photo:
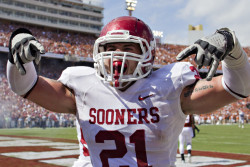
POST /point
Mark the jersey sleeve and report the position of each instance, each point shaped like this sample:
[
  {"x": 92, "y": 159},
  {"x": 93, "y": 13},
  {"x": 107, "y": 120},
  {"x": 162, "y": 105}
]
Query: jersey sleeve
[
  {"x": 186, "y": 74},
  {"x": 65, "y": 76},
  {"x": 189, "y": 75},
  {"x": 71, "y": 73}
]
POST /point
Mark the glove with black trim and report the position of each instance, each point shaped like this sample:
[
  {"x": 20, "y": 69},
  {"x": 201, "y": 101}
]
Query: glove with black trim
[
  {"x": 24, "y": 48},
  {"x": 210, "y": 50}
]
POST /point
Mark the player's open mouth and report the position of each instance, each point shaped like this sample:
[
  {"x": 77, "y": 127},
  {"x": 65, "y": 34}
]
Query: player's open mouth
[{"x": 117, "y": 67}]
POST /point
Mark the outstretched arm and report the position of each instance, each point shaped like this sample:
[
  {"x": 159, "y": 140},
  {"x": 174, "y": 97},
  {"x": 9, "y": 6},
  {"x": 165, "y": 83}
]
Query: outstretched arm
[
  {"x": 215, "y": 92},
  {"x": 23, "y": 79}
]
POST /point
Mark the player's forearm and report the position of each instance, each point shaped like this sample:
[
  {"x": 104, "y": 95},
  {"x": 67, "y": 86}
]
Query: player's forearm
[
  {"x": 205, "y": 97},
  {"x": 53, "y": 95}
]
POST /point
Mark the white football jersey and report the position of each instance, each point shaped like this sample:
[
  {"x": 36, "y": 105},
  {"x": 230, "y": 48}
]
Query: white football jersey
[
  {"x": 137, "y": 127},
  {"x": 84, "y": 158}
]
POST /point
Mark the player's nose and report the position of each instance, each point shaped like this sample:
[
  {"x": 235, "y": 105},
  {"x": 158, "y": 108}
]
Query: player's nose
[{"x": 118, "y": 49}]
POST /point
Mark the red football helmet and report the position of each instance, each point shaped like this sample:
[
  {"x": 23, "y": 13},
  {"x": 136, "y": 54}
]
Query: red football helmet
[{"x": 130, "y": 30}]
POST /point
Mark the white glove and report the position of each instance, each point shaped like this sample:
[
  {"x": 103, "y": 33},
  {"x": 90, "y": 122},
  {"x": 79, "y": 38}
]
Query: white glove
[
  {"x": 24, "y": 48},
  {"x": 210, "y": 50}
]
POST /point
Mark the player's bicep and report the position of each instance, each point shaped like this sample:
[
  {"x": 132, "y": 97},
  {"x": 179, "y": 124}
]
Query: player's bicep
[
  {"x": 205, "y": 97},
  {"x": 53, "y": 95}
]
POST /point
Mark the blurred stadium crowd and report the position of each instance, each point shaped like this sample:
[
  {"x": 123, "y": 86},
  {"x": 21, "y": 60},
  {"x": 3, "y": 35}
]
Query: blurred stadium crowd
[{"x": 18, "y": 112}]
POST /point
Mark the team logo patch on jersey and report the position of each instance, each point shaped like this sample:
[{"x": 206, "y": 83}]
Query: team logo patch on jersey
[{"x": 140, "y": 98}]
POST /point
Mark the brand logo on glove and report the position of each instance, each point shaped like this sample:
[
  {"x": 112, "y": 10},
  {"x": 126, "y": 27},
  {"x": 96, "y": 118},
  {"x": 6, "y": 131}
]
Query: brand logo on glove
[{"x": 140, "y": 98}]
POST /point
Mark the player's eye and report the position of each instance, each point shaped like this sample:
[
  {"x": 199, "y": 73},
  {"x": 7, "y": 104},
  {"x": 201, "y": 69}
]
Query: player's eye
[
  {"x": 128, "y": 49},
  {"x": 110, "y": 49}
]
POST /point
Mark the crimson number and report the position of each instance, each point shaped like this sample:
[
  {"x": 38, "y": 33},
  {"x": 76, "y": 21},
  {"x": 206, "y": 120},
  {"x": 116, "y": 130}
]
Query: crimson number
[{"x": 138, "y": 138}]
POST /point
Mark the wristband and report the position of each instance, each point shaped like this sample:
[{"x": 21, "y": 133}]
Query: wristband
[
  {"x": 236, "y": 78},
  {"x": 235, "y": 68},
  {"x": 21, "y": 84}
]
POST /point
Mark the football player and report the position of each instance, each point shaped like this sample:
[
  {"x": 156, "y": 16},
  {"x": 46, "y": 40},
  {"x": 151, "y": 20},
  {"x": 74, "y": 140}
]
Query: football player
[
  {"x": 130, "y": 115},
  {"x": 185, "y": 138},
  {"x": 241, "y": 119}
]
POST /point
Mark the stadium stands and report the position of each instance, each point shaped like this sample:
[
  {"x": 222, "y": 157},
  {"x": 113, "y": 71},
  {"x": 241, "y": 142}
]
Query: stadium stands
[
  {"x": 81, "y": 45},
  {"x": 60, "y": 42},
  {"x": 18, "y": 112}
]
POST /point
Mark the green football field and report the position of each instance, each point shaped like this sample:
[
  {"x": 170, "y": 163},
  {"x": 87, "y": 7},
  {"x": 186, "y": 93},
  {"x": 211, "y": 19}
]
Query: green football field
[
  {"x": 219, "y": 138},
  {"x": 223, "y": 138}
]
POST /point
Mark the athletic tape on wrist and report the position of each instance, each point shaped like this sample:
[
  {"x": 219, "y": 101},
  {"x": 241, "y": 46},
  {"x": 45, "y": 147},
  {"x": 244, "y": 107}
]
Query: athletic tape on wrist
[
  {"x": 21, "y": 84},
  {"x": 236, "y": 68},
  {"x": 236, "y": 81}
]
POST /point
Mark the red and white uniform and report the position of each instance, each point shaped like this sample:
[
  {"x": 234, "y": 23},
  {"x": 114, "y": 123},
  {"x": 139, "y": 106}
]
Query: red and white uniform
[
  {"x": 186, "y": 135},
  {"x": 137, "y": 127}
]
